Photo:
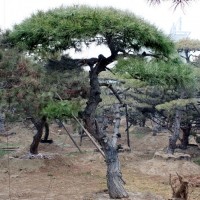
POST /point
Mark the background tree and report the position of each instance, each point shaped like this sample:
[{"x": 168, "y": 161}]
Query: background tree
[
  {"x": 122, "y": 32},
  {"x": 27, "y": 87},
  {"x": 173, "y": 80},
  {"x": 22, "y": 90},
  {"x": 187, "y": 48}
]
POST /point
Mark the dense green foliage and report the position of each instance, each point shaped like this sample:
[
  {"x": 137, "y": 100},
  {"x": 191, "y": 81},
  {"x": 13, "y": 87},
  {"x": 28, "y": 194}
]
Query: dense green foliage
[
  {"x": 178, "y": 103},
  {"x": 21, "y": 86},
  {"x": 64, "y": 28},
  {"x": 62, "y": 109},
  {"x": 27, "y": 87},
  {"x": 171, "y": 74},
  {"x": 52, "y": 32}
]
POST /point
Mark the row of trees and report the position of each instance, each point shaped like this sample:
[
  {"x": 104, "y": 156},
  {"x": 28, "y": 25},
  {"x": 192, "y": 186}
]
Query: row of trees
[{"x": 25, "y": 81}]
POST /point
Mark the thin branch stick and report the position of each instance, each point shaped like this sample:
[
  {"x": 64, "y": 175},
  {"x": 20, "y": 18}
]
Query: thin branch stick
[
  {"x": 9, "y": 192},
  {"x": 113, "y": 90},
  {"x": 195, "y": 108},
  {"x": 59, "y": 96},
  {"x": 89, "y": 135},
  {"x": 3, "y": 148},
  {"x": 70, "y": 136}
]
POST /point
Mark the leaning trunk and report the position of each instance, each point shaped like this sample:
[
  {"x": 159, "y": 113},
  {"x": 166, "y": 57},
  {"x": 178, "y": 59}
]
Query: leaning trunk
[
  {"x": 114, "y": 176},
  {"x": 37, "y": 137},
  {"x": 174, "y": 137}
]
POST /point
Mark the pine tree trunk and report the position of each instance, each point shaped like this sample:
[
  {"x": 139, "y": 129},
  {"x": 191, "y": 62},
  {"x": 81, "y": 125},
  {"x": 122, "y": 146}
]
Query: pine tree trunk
[
  {"x": 173, "y": 138},
  {"x": 37, "y": 137},
  {"x": 114, "y": 176},
  {"x": 156, "y": 126},
  {"x": 187, "y": 57},
  {"x": 2, "y": 122},
  {"x": 185, "y": 138},
  {"x": 46, "y": 135}
]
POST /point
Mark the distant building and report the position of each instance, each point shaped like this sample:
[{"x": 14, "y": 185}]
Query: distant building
[{"x": 176, "y": 32}]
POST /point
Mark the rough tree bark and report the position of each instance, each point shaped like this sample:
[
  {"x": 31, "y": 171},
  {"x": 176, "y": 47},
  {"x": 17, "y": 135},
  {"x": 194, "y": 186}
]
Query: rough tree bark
[
  {"x": 174, "y": 137},
  {"x": 37, "y": 137},
  {"x": 2, "y": 122},
  {"x": 186, "y": 133},
  {"x": 46, "y": 135},
  {"x": 156, "y": 126},
  {"x": 114, "y": 177}
]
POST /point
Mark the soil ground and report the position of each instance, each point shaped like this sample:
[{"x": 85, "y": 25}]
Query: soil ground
[{"x": 71, "y": 175}]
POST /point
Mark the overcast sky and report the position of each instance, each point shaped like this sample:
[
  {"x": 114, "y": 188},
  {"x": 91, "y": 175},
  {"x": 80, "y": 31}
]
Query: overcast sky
[{"x": 163, "y": 16}]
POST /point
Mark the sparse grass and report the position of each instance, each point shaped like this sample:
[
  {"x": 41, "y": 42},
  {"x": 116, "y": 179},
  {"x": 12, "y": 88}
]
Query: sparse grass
[
  {"x": 3, "y": 152},
  {"x": 4, "y": 145},
  {"x": 139, "y": 135},
  {"x": 70, "y": 169},
  {"x": 197, "y": 161}
]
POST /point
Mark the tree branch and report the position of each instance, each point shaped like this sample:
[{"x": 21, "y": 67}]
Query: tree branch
[
  {"x": 175, "y": 2},
  {"x": 113, "y": 90}
]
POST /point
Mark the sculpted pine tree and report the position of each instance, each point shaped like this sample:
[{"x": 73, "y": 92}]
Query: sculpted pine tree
[{"x": 122, "y": 32}]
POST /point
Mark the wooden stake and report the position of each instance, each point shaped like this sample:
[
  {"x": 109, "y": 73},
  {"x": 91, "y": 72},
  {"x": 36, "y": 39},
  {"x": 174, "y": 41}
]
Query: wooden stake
[
  {"x": 89, "y": 135},
  {"x": 70, "y": 136}
]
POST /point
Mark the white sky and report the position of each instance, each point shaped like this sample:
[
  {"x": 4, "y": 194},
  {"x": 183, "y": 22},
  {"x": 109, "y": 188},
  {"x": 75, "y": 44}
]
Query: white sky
[{"x": 163, "y": 16}]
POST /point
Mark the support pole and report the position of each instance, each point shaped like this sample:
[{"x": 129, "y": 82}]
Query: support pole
[
  {"x": 127, "y": 126},
  {"x": 70, "y": 136},
  {"x": 89, "y": 135}
]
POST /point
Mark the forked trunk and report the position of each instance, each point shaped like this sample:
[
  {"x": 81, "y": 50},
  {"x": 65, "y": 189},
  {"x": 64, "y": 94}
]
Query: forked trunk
[
  {"x": 114, "y": 176},
  {"x": 46, "y": 135},
  {"x": 37, "y": 137}
]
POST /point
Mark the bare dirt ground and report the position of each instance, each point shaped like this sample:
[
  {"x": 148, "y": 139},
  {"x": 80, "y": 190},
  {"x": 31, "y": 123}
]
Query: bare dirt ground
[{"x": 70, "y": 175}]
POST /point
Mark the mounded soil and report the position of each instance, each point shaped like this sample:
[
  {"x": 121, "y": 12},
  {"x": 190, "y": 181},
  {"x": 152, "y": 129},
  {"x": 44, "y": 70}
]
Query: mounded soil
[{"x": 66, "y": 174}]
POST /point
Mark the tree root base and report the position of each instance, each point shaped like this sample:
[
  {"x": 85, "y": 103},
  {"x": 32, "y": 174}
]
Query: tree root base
[{"x": 38, "y": 156}]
